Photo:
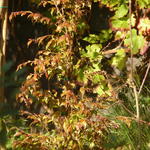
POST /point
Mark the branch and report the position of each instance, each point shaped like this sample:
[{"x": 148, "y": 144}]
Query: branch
[{"x": 145, "y": 76}]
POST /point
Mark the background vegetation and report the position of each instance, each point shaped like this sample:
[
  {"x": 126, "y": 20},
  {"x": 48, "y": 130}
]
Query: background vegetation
[{"x": 77, "y": 75}]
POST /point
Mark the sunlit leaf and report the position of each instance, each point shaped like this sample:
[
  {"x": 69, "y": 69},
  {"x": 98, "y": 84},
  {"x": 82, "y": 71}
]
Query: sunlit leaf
[
  {"x": 121, "y": 12},
  {"x": 138, "y": 41},
  {"x": 122, "y": 23},
  {"x": 92, "y": 38},
  {"x": 93, "y": 51},
  {"x": 97, "y": 78},
  {"x": 119, "y": 59},
  {"x": 144, "y": 25},
  {"x": 143, "y": 3}
]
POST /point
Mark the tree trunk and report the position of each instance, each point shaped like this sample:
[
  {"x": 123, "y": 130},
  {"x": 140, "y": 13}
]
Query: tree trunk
[{"x": 3, "y": 40}]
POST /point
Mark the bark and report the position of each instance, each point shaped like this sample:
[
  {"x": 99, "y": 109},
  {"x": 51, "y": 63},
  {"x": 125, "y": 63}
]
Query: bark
[{"x": 3, "y": 40}]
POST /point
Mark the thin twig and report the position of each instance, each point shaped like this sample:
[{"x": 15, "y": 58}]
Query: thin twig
[
  {"x": 112, "y": 51},
  {"x": 137, "y": 103},
  {"x": 134, "y": 86},
  {"x": 131, "y": 47},
  {"x": 131, "y": 43},
  {"x": 144, "y": 79}
]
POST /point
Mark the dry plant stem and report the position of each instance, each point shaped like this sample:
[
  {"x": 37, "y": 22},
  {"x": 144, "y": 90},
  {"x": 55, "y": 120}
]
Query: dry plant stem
[
  {"x": 131, "y": 43},
  {"x": 136, "y": 95},
  {"x": 137, "y": 103},
  {"x": 3, "y": 51},
  {"x": 128, "y": 110},
  {"x": 2, "y": 148},
  {"x": 112, "y": 51},
  {"x": 145, "y": 76},
  {"x": 131, "y": 47}
]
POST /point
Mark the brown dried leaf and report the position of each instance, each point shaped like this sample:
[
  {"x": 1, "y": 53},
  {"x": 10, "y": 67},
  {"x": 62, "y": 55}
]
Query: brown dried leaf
[{"x": 22, "y": 13}]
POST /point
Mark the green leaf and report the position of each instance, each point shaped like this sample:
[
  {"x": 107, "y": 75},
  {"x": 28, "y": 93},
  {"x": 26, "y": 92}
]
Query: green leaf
[
  {"x": 96, "y": 47},
  {"x": 82, "y": 26},
  {"x": 103, "y": 89},
  {"x": 143, "y": 3},
  {"x": 119, "y": 59},
  {"x": 138, "y": 41},
  {"x": 97, "y": 65},
  {"x": 81, "y": 76},
  {"x": 120, "y": 23},
  {"x": 105, "y": 35},
  {"x": 121, "y": 53},
  {"x": 93, "y": 51},
  {"x": 92, "y": 145},
  {"x": 92, "y": 38},
  {"x": 97, "y": 78},
  {"x": 121, "y": 12},
  {"x": 100, "y": 90}
]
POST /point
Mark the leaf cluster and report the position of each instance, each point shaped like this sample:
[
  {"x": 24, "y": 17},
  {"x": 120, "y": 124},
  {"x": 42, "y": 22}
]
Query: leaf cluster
[{"x": 74, "y": 85}]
